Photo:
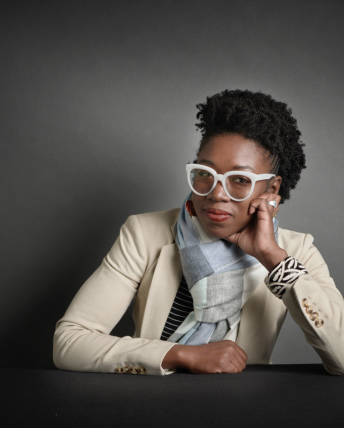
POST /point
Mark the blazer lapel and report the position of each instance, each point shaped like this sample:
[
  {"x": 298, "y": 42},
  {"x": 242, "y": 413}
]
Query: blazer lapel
[
  {"x": 250, "y": 320},
  {"x": 255, "y": 325},
  {"x": 165, "y": 283}
]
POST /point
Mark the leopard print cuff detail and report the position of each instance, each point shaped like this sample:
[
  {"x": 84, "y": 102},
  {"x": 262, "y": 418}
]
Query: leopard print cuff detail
[{"x": 284, "y": 275}]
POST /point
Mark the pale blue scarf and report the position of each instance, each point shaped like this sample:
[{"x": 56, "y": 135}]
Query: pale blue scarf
[{"x": 214, "y": 272}]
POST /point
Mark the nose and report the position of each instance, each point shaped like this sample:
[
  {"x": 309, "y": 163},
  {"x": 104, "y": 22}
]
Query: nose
[{"x": 218, "y": 193}]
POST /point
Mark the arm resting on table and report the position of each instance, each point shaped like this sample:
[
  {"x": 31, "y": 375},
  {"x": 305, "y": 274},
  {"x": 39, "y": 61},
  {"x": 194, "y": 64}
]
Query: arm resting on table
[
  {"x": 81, "y": 340},
  {"x": 325, "y": 299}
]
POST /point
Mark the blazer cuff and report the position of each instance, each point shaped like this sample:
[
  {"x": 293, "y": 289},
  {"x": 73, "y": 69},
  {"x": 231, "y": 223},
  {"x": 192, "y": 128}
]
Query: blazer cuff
[{"x": 149, "y": 356}]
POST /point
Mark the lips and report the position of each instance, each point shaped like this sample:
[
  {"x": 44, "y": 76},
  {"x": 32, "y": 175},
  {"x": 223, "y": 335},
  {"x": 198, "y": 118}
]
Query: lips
[
  {"x": 216, "y": 215},
  {"x": 217, "y": 212}
]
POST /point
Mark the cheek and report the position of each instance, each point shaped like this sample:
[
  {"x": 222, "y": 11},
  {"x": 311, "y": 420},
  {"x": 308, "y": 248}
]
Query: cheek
[{"x": 241, "y": 214}]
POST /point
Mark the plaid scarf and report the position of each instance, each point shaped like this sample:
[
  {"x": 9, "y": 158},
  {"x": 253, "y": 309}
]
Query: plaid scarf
[{"x": 214, "y": 271}]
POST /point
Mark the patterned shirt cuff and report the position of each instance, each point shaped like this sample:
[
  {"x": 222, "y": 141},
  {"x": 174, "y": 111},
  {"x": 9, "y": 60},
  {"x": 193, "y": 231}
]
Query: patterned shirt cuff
[{"x": 284, "y": 275}]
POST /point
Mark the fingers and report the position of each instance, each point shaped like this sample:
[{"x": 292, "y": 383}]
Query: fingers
[
  {"x": 237, "y": 364},
  {"x": 261, "y": 204},
  {"x": 238, "y": 357},
  {"x": 224, "y": 356},
  {"x": 276, "y": 199},
  {"x": 241, "y": 352}
]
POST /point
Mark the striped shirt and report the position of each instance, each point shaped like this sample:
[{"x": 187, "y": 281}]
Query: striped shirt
[{"x": 181, "y": 307}]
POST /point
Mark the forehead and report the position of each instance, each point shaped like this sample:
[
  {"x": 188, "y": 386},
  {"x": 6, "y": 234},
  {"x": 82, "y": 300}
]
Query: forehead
[{"x": 226, "y": 152}]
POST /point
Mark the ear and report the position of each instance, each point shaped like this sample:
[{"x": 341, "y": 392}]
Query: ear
[{"x": 274, "y": 185}]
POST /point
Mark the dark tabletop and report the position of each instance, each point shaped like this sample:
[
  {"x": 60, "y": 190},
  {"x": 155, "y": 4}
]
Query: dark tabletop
[{"x": 260, "y": 396}]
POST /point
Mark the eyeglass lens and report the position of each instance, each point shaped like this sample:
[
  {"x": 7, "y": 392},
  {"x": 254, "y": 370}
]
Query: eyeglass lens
[{"x": 238, "y": 186}]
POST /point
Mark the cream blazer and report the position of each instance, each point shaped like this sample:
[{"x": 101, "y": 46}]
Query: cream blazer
[{"x": 144, "y": 264}]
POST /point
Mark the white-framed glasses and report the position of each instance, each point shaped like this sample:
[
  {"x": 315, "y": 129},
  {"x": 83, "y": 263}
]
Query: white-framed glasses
[{"x": 238, "y": 185}]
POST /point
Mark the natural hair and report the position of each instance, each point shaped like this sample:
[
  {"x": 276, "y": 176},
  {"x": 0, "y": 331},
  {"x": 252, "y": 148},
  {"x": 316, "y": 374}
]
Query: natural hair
[{"x": 258, "y": 117}]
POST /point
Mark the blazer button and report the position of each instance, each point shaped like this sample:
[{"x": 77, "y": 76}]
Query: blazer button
[
  {"x": 314, "y": 316},
  {"x": 305, "y": 303},
  {"x": 309, "y": 309},
  {"x": 319, "y": 323}
]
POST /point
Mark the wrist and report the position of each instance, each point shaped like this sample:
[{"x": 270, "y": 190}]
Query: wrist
[
  {"x": 284, "y": 275},
  {"x": 173, "y": 358},
  {"x": 271, "y": 259}
]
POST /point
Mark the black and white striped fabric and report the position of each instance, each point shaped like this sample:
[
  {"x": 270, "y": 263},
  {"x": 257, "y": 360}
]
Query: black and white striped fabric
[
  {"x": 284, "y": 275},
  {"x": 181, "y": 307}
]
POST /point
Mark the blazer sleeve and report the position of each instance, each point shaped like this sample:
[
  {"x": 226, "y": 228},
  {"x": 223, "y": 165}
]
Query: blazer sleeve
[
  {"x": 322, "y": 297},
  {"x": 82, "y": 341}
]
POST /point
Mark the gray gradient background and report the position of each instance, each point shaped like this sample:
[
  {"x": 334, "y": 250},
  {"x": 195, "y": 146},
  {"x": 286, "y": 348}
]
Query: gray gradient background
[{"x": 97, "y": 123}]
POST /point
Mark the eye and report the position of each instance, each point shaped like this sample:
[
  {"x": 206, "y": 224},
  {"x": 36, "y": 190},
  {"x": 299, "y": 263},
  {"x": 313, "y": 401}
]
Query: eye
[
  {"x": 204, "y": 174},
  {"x": 242, "y": 180}
]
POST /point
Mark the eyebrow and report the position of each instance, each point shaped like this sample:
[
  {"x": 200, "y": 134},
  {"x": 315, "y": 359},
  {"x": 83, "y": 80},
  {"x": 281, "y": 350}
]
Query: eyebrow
[{"x": 238, "y": 167}]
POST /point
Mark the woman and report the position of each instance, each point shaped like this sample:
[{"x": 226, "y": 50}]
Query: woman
[{"x": 212, "y": 281}]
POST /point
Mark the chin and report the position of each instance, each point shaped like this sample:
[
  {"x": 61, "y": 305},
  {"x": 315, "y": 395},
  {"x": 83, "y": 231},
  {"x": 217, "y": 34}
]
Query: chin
[{"x": 217, "y": 232}]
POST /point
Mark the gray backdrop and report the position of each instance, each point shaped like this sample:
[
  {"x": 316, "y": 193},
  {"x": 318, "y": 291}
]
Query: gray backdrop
[{"x": 97, "y": 123}]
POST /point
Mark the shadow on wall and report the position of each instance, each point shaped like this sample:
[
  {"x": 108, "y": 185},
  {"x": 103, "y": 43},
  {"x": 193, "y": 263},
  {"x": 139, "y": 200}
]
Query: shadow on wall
[{"x": 28, "y": 339}]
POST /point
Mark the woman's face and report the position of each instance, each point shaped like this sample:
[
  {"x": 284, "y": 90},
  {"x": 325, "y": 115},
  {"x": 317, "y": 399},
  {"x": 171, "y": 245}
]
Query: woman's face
[{"x": 226, "y": 153}]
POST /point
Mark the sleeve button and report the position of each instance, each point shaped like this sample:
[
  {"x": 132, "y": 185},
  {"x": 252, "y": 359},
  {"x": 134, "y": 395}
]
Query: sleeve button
[
  {"x": 142, "y": 370},
  {"x": 305, "y": 303},
  {"x": 309, "y": 309},
  {"x": 119, "y": 369},
  {"x": 319, "y": 323},
  {"x": 314, "y": 316}
]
